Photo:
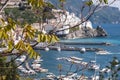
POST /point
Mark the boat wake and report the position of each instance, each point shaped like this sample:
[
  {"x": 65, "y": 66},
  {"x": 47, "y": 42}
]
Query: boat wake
[
  {"x": 106, "y": 53},
  {"x": 115, "y": 53},
  {"x": 103, "y": 52}
]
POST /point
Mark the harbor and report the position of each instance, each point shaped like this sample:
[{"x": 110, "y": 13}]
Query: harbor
[
  {"x": 59, "y": 40},
  {"x": 63, "y": 47}
]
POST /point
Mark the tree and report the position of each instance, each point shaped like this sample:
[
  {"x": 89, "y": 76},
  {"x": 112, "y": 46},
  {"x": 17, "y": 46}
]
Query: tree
[
  {"x": 16, "y": 39},
  {"x": 20, "y": 44},
  {"x": 114, "y": 69}
]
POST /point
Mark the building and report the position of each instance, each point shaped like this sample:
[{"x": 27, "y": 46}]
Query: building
[
  {"x": 87, "y": 24},
  {"x": 66, "y": 20},
  {"x": 64, "y": 30},
  {"x": 13, "y": 3}
]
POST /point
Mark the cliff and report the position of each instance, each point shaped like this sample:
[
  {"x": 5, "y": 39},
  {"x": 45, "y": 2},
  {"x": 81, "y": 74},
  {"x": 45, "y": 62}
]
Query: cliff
[
  {"x": 84, "y": 30},
  {"x": 87, "y": 33}
]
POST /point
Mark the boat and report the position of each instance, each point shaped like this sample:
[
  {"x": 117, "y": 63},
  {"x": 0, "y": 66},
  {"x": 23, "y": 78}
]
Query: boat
[
  {"x": 38, "y": 60},
  {"x": 106, "y": 70},
  {"x": 102, "y": 52},
  {"x": 36, "y": 66},
  {"x": 31, "y": 71},
  {"x": 76, "y": 58},
  {"x": 21, "y": 68},
  {"x": 21, "y": 59},
  {"x": 50, "y": 76},
  {"x": 69, "y": 76},
  {"x": 62, "y": 58},
  {"x": 73, "y": 59},
  {"x": 43, "y": 70},
  {"x": 94, "y": 78},
  {"x": 25, "y": 71},
  {"x": 93, "y": 65},
  {"x": 77, "y": 61}
]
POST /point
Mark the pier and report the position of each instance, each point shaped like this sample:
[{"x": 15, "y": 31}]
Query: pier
[
  {"x": 86, "y": 43},
  {"x": 67, "y": 48}
]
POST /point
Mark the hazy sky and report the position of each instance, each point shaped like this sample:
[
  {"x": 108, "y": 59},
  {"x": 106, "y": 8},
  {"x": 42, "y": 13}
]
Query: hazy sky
[{"x": 115, "y": 4}]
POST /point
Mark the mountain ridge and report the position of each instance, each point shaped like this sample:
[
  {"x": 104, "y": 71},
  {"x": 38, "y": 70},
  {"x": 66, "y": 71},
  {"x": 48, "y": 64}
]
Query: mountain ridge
[{"x": 106, "y": 15}]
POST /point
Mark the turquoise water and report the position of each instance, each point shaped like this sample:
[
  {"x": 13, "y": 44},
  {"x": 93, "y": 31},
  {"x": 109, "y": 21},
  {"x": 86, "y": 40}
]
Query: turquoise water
[{"x": 113, "y": 37}]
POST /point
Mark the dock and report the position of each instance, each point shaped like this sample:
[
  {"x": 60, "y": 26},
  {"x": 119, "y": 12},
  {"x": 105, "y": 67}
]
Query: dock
[
  {"x": 63, "y": 46},
  {"x": 86, "y": 43},
  {"x": 67, "y": 48}
]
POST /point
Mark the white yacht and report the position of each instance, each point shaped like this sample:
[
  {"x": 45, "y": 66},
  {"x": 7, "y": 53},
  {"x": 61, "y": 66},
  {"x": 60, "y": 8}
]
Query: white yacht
[
  {"x": 21, "y": 59},
  {"x": 106, "y": 70},
  {"x": 43, "y": 70},
  {"x": 25, "y": 71},
  {"x": 93, "y": 65},
  {"x": 31, "y": 71},
  {"x": 35, "y": 66},
  {"x": 76, "y": 58},
  {"x": 62, "y": 58},
  {"x": 38, "y": 60},
  {"x": 73, "y": 59},
  {"x": 102, "y": 52},
  {"x": 50, "y": 76},
  {"x": 94, "y": 78}
]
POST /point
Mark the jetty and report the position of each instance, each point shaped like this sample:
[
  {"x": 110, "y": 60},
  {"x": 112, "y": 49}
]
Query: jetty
[
  {"x": 86, "y": 43},
  {"x": 69, "y": 48}
]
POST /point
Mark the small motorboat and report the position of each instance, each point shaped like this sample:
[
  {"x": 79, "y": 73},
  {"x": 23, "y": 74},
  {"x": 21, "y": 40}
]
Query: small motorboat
[
  {"x": 76, "y": 58},
  {"x": 102, "y": 52},
  {"x": 93, "y": 65},
  {"x": 106, "y": 70}
]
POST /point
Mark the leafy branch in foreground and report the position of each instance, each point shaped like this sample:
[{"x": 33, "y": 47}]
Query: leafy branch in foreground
[
  {"x": 115, "y": 69},
  {"x": 19, "y": 40}
]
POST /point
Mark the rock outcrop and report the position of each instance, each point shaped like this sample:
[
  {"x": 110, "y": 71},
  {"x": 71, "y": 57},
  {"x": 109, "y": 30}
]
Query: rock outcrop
[{"x": 87, "y": 33}]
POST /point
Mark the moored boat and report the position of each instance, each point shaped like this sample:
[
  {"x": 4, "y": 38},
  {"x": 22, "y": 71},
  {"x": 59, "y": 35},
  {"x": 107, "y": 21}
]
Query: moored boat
[{"x": 102, "y": 52}]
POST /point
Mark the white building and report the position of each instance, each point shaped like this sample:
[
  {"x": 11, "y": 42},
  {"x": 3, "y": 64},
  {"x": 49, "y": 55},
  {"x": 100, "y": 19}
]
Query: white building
[
  {"x": 63, "y": 22},
  {"x": 66, "y": 19},
  {"x": 65, "y": 30},
  {"x": 87, "y": 24}
]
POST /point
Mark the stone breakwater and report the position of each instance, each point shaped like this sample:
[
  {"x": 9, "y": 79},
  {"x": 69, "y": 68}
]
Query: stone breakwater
[
  {"x": 67, "y": 48},
  {"x": 86, "y": 43}
]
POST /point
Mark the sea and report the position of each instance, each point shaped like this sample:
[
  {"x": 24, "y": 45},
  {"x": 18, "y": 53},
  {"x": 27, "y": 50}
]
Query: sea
[{"x": 51, "y": 63}]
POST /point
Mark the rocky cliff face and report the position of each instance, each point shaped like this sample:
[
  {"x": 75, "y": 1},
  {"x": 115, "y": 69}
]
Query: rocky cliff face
[{"x": 87, "y": 33}]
